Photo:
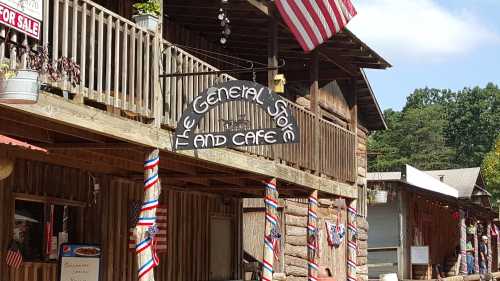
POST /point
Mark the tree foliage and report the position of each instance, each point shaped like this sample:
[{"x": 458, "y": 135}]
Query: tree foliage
[
  {"x": 491, "y": 169},
  {"x": 438, "y": 129}
]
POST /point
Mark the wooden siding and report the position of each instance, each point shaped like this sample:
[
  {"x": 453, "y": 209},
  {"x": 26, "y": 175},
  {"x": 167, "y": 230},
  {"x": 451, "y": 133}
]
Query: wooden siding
[{"x": 187, "y": 257}]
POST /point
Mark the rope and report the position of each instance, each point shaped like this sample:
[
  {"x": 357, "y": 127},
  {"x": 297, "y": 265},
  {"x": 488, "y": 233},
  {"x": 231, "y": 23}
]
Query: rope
[{"x": 146, "y": 225}]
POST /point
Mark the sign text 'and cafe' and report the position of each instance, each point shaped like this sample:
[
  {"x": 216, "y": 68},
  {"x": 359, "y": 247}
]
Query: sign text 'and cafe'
[
  {"x": 23, "y": 15},
  {"x": 237, "y": 132}
]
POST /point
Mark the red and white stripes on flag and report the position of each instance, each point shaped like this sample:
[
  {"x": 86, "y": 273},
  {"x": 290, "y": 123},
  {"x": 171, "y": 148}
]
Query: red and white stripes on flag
[
  {"x": 14, "y": 257},
  {"x": 161, "y": 236},
  {"x": 313, "y": 22}
]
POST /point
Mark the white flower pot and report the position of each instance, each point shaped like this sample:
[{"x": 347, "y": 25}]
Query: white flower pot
[
  {"x": 148, "y": 22},
  {"x": 379, "y": 196},
  {"x": 21, "y": 89}
]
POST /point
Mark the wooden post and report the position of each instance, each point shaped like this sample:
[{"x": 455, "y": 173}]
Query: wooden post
[
  {"x": 272, "y": 61},
  {"x": 463, "y": 243},
  {"x": 271, "y": 227},
  {"x": 314, "y": 99},
  {"x": 352, "y": 99},
  {"x": 476, "y": 249},
  {"x": 490, "y": 255},
  {"x": 146, "y": 259},
  {"x": 351, "y": 241},
  {"x": 312, "y": 236}
]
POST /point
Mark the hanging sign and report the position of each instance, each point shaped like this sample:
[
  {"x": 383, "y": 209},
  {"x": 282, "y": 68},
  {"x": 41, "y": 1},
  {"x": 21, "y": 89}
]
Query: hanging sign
[
  {"x": 79, "y": 262},
  {"x": 239, "y": 131},
  {"x": 22, "y": 15}
]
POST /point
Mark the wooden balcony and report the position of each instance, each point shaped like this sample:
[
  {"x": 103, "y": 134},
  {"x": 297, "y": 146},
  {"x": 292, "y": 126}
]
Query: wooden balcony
[{"x": 121, "y": 67}]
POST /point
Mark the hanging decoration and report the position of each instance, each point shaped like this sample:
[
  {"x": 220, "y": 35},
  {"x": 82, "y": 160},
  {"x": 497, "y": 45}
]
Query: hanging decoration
[
  {"x": 336, "y": 233},
  {"x": 272, "y": 233},
  {"x": 146, "y": 227},
  {"x": 224, "y": 22}
]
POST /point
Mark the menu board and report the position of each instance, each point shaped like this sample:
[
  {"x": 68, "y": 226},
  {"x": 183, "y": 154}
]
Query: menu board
[
  {"x": 420, "y": 255},
  {"x": 79, "y": 262}
]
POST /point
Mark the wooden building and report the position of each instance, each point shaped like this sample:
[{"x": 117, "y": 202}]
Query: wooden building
[
  {"x": 425, "y": 215},
  {"x": 86, "y": 143}
]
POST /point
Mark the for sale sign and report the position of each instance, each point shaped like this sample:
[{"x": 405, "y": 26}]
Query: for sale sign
[{"x": 22, "y": 15}]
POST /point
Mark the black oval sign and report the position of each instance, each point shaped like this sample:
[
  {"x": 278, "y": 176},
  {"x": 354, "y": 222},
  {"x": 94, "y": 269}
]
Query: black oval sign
[{"x": 286, "y": 131}]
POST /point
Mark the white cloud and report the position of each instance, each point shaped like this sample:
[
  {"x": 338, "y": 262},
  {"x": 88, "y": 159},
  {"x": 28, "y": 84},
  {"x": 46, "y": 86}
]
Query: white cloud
[{"x": 414, "y": 29}]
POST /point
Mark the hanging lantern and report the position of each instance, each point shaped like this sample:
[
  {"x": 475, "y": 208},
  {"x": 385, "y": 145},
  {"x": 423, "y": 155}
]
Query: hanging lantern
[{"x": 279, "y": 83}]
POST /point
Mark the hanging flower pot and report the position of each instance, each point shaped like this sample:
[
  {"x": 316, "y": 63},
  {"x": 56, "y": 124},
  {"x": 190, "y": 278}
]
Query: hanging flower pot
[
  {"x": 20, "y": 87},
  {"x": 378, "y": 196},
  {"x": 147, "y": 21},
  {"x": 148, "y": 14}
]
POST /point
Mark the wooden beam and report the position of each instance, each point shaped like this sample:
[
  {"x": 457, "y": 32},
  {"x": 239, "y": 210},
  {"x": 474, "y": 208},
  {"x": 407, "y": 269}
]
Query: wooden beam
[
  {"x": 87, "y": 146},
  {"x": 315, "y": 109},
  {"x": 51, "y": 126},
  {"x": 80, "y": 118},
  {"x": 24, "y": 131},
  {"x": 260, "y": 6}
]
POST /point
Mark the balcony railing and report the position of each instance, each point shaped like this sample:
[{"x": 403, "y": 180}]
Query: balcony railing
[{"x": 121, "y": 66}]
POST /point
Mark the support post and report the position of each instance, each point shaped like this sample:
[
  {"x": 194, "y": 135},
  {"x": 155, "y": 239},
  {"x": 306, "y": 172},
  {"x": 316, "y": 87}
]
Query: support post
[
  {"x": 272, "y": 62},
  {"x": 312, "y": 237},
  {"x": 315, "y": 109},
  {"x": 352, "y": 245},
  {"x": 476, "y": 250},
  {"x": 463, "y": 243},
  {"x": 352, "y": 99},
  {"x": 271, "y": 231},
  {"x": 490, "y": 254},
  {"x": 146, "y": 224}
]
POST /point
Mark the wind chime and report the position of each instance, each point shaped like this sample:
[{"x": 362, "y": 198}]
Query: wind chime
[{"x": 224, "y": 22}]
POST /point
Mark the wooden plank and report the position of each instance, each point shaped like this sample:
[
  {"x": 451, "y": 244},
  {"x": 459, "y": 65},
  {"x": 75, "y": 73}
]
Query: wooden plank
[
  {"x": 100, "y": 56},
  {"x": 55, "y": 30},
  {"x": 109, "y": 50},
  {"x": 132, "y": 61},
  {"x": 146, "y": 70},
  {"x": 124, "y": 78},
  {"x": 74, "y": 31},
  {"x": 140, "y": 58},
  {"x": 83, "y": 49},
  {"x": 92, "y": 54},
  {"x": 46, "y": 18},
  {"x": 116, "y": 82},
  {"x": 65, "y": 29}
]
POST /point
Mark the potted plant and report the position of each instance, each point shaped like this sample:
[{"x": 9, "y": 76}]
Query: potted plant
[
  {"x": 148, "y": 13},
  {"x": 21, "y": 86},
  {"x": 18, "y": 86}
]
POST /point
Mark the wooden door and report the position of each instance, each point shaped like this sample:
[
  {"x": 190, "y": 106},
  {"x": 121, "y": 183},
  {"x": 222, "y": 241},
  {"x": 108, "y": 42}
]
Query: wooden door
[{"x": 221, "y": 250}]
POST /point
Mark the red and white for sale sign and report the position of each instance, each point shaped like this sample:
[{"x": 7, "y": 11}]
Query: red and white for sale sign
[{"x": 20, "y": 21}]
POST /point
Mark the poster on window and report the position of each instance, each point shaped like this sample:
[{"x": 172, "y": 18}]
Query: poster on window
[
  {"x": 22, "y": 15},
  {"x": 79, "y": 262}
]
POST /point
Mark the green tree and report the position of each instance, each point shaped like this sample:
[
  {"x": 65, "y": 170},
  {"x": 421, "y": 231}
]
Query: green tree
[
  {"x": 491, "y": 170},
  {"x": 474, "y": 122},
  {"x": 415, "y": 135}
]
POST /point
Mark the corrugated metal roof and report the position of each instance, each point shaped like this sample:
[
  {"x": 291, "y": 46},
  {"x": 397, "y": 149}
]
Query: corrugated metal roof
[
  {"x": 464, "y": 180},
  {"x": 418, "y": 179}
]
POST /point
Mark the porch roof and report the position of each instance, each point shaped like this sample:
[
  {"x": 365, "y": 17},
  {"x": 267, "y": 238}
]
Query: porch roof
[{"x": 341, "y": 58}]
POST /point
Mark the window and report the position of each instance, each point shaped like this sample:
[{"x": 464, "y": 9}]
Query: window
[{"x": 40, "y": 226}]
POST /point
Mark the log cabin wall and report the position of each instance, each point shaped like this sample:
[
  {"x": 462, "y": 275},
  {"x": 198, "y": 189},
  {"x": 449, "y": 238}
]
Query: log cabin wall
[
  {"x": 106, "y": 223},
  {"x": 331, "y": 258}
]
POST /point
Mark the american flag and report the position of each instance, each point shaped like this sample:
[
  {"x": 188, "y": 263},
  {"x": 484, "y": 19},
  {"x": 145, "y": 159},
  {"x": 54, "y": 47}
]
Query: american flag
[
  {"x": 161, "y": 222},
  {"x": 312, "y": 22},
  {"x": 14, "y": 257}
]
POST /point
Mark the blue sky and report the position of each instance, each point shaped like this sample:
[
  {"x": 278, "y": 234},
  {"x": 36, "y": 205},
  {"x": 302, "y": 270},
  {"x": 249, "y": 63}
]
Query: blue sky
[{"x": 435, "y": 43}]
